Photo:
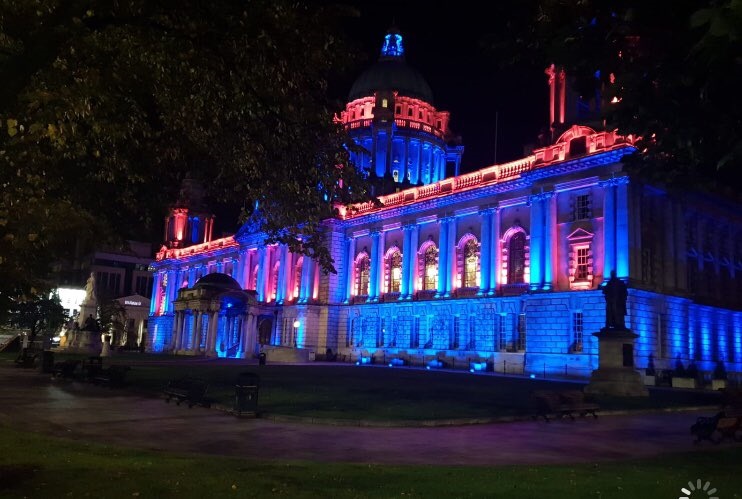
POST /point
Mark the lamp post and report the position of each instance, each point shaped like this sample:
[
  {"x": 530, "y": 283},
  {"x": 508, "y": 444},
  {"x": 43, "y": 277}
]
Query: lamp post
[{"x": 296, "y": 330}]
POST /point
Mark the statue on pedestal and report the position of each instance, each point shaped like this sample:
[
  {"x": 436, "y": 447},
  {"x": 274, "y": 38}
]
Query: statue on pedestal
[{"x": 616, "y": 294}]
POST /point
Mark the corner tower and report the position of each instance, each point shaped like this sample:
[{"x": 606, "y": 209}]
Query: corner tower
[{"x": 390, "y": 115}]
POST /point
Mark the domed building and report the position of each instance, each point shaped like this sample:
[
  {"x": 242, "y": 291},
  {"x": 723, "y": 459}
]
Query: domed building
[
  {"x": 501, "y": 269},
  {"x": 391, "y": 116}
]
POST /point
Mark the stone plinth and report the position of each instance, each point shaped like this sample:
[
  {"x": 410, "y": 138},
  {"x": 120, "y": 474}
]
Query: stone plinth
[{"x": 616, "y": 374}]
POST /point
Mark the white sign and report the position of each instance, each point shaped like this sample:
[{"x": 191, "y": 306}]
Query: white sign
[{"x": 135, "y": 303}]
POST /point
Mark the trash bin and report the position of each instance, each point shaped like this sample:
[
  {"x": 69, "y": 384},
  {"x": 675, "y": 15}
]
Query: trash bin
[
  {"x": 261, "y": 359},
  {"x": 246, "y": 394},
  {"x": 47, "y": 361}
]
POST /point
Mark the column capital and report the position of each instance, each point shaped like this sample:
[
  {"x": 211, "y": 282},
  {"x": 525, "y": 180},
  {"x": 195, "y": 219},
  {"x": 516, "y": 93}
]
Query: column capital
[
  {"x": 410, "y": 226},
  {"x": 375, "y": 232},
  {"x": 541, "y": 196},
  {"x": 489, "y": 210},
  {"x": 613, "y": 181}
]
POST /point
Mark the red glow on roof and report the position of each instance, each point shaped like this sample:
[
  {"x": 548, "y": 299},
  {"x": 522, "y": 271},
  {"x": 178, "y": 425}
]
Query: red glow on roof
[
  {"x": 596, "y": 142},
  {"x": 196, "y": 249}
]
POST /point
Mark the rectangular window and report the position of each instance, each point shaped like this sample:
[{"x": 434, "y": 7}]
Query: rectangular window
[
  {"x": 415, "y": 337},
  {"x": 382, "y": 330},
  {"x": 456, "y": 332},
  {"x": 577, "y": 332},
  {"x": 521, "y": 337},
  {"x": 398, "y": 110},
  {"x": 582, "y": 207},
  {"x": 502, "y": 334},
  {"x": 583, "y": 267},
  {"x": 409, "y": 112}
]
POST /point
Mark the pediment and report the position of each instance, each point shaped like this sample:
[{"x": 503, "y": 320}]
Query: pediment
[{"x": 580, "y": 234}]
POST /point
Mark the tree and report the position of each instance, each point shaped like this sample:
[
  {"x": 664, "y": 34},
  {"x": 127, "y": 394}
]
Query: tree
[
  {"x": 669, "y": 72},
  {"x": 107, "y": 106},
  {"x": 112, "y": 320},
  {"x": 39, "y": 315}
]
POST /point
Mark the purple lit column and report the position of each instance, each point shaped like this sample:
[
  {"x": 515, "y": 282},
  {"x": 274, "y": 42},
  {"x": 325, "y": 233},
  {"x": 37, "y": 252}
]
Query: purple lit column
[
  {"x": 407, "y": 257},
  {"x": 485, "y": 253},
  {"x": 609, "y": 228},
  {"x": 537, "y": 242},
  {"x": 495, "y": 252},
  {"x": 442, "y": 257},
  {"x": 549, "y": 201},
  {"x": 450, "y": 274},
  {"x": 350, "y": 253},
  {"x": 622, "y": 228}
]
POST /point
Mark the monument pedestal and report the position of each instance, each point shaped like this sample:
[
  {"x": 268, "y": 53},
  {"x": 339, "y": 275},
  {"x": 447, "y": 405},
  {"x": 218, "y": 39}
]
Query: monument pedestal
[{"x": 616, "y": 374}]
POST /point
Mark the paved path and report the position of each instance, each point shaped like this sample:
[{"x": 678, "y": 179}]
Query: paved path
[{"x": 80, "y": 411}]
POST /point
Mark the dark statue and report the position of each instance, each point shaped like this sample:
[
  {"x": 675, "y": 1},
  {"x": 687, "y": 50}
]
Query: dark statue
[
  {"x": 615, "y": 293},
  {"x": 90, "y": 324}
]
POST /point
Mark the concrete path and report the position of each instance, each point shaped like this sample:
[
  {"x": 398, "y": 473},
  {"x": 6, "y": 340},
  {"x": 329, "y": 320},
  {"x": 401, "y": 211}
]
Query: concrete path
[{"x": 80, "y": 411}]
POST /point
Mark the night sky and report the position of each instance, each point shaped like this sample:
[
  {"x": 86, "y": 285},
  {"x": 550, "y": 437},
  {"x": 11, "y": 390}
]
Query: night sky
[{"x": 444, "y": 43}]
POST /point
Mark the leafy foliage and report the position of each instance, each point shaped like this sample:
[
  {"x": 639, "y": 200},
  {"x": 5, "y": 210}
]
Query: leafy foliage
[
  {"x": 107, "y": 106},
  {"x": 39, "y": 315},
  {"x": 672, "y": 68}
]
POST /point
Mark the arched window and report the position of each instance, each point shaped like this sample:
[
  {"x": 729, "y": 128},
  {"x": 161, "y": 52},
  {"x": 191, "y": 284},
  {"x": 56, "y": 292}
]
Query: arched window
[
  {"x": 516, "y": 258},
  {"x": 363, "y": 266},
  {"x": 430, "y": 268},
  {"x": 394, "y": 279},
  {"x": 297, "y": 276},
  {"x": 471, "y": 264}
]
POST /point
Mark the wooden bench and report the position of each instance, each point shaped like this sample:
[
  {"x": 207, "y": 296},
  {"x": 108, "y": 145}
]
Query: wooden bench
[
  {"x": 65, "y": 369},
  {"x": 187, "y": 389},
  {"x": 561, "y": 404},
  {"x": 91, "y": 367},
  {"x": 113, "y": 376}
]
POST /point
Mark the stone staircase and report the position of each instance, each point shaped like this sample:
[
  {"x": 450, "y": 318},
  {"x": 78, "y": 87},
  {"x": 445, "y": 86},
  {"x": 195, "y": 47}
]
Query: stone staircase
[
  {"x": 6, "y": 340},
  {"x": 285, "y": 354}
]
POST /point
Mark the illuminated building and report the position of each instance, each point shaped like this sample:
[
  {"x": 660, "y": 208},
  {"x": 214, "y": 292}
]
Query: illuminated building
[{"x": 502, "y": 265}]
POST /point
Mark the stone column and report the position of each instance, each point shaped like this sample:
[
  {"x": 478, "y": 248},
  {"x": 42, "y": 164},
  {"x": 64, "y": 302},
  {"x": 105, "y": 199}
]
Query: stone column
[
  {"x": 178, "y": 331},
  {"x": 175, "y": 333},
  {"x": 412, "y": 276},
  {"x": 537, "y": 242},
  {"x": 350, "y": 253},
  {"x": 622, "y": 228},
  {"x": 442, "y": 256},
  {"x": 451, "y": 257},
  {"x": 195, "y": 339},
  {"x": 609, "y": 228},
  {"x": 373, "y": 292},
  {"x": 213, "y": 332},
  {"x": 496, "y": 253},
  {"x": 484, "y": 251},
  {"x": 669, "y": 273},
  {"x": 306, "y": 270},
  {"x": 281, "y": 284},
  {"x": 154, "y": 308},
  {"x": 550, "y": 228},
  {"x": 407, "y": 258}
]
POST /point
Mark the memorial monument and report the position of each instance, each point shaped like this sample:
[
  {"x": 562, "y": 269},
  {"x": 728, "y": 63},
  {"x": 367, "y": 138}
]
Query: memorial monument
[
  {"x": 86, "y": 337},
  {"x": 616, "y": 374}
]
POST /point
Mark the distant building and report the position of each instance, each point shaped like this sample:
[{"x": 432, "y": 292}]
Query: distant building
[
  {"x": 501, "y": 266},
  {"x": 120, "y": 274}
]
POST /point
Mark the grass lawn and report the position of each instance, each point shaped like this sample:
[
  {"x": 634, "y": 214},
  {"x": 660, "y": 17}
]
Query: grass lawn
[
  {"x": 33, "y": 465},
  {"x": 346, "y": 391}
]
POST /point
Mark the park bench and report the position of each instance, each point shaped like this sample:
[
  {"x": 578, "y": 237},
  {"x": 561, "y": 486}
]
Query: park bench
[
  {"x": 113, "y": 376},
  {"x": 65, "y": 369},
  {"x": 726, "y": 423},
  {"x": 561, "y": 404},
  {"x": 91, "y": 367},
  {"x": 27, "y": 358},
  {"x": 187, "y": 389}
]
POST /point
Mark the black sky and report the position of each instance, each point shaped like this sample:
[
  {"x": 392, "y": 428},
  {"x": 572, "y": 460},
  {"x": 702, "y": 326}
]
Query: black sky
[{"x": 444, "y": 42}]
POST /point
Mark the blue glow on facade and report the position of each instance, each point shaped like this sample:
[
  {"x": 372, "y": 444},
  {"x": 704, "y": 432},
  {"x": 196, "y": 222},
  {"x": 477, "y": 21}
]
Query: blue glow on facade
[{"x": 392, "y": 46}]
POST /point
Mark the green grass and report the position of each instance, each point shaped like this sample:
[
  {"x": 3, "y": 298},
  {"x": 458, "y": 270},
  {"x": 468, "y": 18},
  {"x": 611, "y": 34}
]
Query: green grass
[
  {"x": 373, "y": 392},
  {"x": 33, "y": 465}
]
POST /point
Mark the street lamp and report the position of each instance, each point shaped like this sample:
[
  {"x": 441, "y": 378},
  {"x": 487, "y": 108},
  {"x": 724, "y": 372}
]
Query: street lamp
[{"x": 296, "y": 330}]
